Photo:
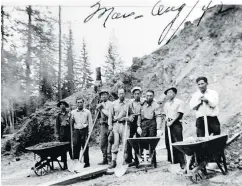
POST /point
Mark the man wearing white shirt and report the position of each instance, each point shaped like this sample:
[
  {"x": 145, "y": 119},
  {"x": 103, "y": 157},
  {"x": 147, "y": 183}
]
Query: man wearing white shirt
[
  {"x": 210, "y": 97},
  {"x": 174, "y": 110}
]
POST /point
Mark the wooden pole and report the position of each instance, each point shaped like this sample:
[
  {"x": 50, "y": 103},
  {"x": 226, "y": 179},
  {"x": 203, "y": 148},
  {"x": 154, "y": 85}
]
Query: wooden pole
[
  {"x": 205, "y": 120},
  {"x": 59, "y": 73}
]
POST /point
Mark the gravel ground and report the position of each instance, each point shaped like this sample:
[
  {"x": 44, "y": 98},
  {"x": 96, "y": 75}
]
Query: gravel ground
[{"x": 19, "y": 173}]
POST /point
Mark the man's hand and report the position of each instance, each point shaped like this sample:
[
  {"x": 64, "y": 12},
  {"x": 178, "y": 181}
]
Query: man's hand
[
  {"x": 204, "y": 99},
  {"x": 139, "y": 130},
  {"x": 99, "y": 106},
  {"x": 110, "y": 127},
  {"x": 159, "y": 133},
  {"x": 169, "y": 123},
  {"x": 131, "y": 118}
]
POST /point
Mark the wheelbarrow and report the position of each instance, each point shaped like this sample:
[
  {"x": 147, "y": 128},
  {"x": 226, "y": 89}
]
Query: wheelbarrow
[
  {"x": 145, "y": 144},
  {"x": 48, "y": 153},
  {"x": 201, "y": 151}
]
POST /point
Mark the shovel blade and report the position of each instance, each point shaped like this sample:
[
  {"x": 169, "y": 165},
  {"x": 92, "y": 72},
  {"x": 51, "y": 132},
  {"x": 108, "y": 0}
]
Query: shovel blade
[
  {"x": 79, "y": 167},
  {"x": 174, "y": 168},
  {"x": 121, "y": 170},
  {"x": 71, "y": 165}
]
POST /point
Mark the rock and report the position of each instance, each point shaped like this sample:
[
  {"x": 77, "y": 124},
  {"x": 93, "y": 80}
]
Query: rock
[
  {"x": 236, "y": 161},
  {"x": 240, "y": 158},
  {"x": 17, "y": 159},
  {"x": 232, "y": 165}
]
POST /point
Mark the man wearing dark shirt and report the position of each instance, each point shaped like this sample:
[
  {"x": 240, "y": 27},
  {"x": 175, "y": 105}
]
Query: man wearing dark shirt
[{"x": 63, "y": 127}]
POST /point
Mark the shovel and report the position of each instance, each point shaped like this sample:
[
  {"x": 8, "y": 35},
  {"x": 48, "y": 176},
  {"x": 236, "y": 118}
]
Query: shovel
[
  {"x": 173, "y": 168},
  {"x": 121, "y": 169},
  {"x": 78, "y": 165},
  {"x": 71, "y": 162},
  {"x": 205, "y": 120}
]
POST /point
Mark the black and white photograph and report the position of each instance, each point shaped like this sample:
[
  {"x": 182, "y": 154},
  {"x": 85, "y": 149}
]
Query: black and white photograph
[{"x": 121, "y": 93}]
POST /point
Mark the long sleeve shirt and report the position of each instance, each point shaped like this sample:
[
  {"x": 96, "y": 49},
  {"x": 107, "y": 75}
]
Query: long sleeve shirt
[
  {"x": 118, "y": 111},
  {"x": 62, "y": 120},
  {"x": 152, "y": 111},
  {"x": 81, "y": 118},
  {"x": 173, "y": 108},
  {"x": 211, "y": 107},
  {"x": 104, "y": 113}
]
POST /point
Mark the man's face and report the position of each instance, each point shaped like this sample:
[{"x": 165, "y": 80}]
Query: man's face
[
  {"x": 149, "y": 96},
  {"x": 202, "y": 85},
  {"x": 137, "y": 94},
  {"x": 171, "y": 94},
  {"x": 80, "y": 103},
  {"x": 62, "y": 106},
  {"x": 104, "y": 97},
  {"x": 121, "y": 94}
]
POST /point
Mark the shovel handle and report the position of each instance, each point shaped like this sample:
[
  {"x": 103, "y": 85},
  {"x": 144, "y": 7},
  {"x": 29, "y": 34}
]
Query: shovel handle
[
  {"x": 71, "y": 130},
  {"x": 205, "y": 120},
  {"x": 90, "y": 133},
  {"x": 170, "y": 144},
  {"x": 125, "y": 133}
]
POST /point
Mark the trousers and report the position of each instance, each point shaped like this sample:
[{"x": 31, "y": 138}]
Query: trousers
[
  {"x": 79, "y": 140},
  {"x": 176, "y": 135},
  {"x": 105, "y": 142},
  {"x": 118, "y": 132},
  {"x": 64, "y": 136},
  {"x": 213, "y": 126}
]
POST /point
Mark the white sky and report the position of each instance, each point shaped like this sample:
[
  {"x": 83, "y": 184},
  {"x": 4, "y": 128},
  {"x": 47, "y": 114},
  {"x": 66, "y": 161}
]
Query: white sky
[{"x": 134, "y": 38}]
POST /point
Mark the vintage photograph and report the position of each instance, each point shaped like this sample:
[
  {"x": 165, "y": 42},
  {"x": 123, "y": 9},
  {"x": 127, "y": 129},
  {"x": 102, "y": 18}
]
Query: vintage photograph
[{"x": 121, "y": 93}]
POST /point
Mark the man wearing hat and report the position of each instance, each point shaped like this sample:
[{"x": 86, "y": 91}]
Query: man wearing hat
[
  {"x": 63, "y": 127},
  {"x": 81, "y": 118},
  {"x": 174, "y": 110},
  {"x": 104, "y": 108},
  {"x": 135, "y": 106}
]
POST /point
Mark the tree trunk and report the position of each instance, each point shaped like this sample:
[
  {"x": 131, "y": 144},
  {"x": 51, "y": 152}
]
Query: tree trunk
[
  {"x": 98, "y": 82},
  {"x": 59, "y": 73},
  {"x": 28, "y": 56}
]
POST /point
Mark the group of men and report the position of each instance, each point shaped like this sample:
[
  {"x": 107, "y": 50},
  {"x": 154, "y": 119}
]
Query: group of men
[{"x": 143, "y": 117}]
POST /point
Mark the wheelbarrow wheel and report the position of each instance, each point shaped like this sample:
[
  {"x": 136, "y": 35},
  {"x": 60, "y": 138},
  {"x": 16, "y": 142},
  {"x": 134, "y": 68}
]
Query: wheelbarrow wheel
[
  {"x": 41, "y": 168},
  {"x": 197, "y": 176}
]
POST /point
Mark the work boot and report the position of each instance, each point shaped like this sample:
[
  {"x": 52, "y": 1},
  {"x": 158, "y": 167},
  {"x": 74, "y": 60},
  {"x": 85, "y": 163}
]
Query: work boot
[
  {"x": 113, "y": 165},
  {"x": 86, "y": 165},
  {"x": 104, "y": 162},
  {"x": 109, "y": 158}
]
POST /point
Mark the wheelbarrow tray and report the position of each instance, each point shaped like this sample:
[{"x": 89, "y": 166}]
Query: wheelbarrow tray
[
  {"x": 50, "y": 148},
  {"x": 206, "y": 146},
  {"x": 144, "y": 142}
]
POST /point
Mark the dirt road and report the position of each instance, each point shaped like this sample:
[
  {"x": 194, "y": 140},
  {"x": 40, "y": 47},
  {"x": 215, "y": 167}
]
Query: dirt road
[{"x": 19, "y": 173}]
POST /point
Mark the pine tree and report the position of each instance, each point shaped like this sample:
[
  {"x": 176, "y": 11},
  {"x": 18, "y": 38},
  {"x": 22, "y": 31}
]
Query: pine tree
[
  {"x": 68, "y": 85},
  {"x": 87, "y": 80},
  {"x": 113, "y": 63}
]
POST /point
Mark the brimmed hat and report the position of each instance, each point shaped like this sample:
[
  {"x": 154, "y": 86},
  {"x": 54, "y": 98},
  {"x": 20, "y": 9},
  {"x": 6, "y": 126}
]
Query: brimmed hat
[
  {"x": 62, "y": 102},
  {"x": 103, "y": 91},
  {"x": 136, "y": 88},
  {"x": 172, "y": 88}
]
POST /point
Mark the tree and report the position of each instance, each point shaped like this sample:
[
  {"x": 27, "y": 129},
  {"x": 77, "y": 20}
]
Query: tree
[
  {"x": 113, "y": 63},
  {"x": 69, "y": 85},
  {"x": 86, "y": 68},
  {"x": 59, "y": 73}
]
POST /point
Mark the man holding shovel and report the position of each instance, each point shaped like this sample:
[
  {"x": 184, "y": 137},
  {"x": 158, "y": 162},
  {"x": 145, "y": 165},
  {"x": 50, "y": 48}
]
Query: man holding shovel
[
  {"x": 104, "y": 108},
  {"x": 81, "y": 119},
  {"x": 135, "y": 106},
  {"x": 174, "y": 109},
  {"x": 205, "y": 102},
  {"x": 63, "y": 127},
  {"x": 116, "y": 122}
]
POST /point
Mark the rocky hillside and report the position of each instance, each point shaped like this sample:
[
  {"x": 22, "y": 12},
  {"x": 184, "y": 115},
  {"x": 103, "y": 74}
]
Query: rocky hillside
[{"x": 212, "y": 49}]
